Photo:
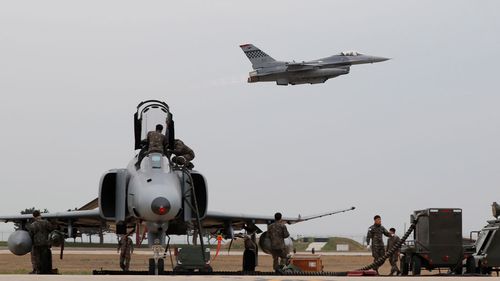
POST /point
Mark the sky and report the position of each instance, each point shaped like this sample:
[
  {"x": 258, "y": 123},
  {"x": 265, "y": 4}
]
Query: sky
[{"x": 421, "y": 130}]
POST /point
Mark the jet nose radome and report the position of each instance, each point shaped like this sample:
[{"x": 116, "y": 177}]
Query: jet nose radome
[
  {"x": 160, "y": 206},
  {"x": 378, "y": 59}
]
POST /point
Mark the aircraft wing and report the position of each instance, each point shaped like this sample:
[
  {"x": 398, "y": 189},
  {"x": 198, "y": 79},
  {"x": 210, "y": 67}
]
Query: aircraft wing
[
  {"x": 85, "y": 218},
  {"x": 90, "y": 206},
  {"x": 240, "y": 221},
  {"x": 301, "y": 66}
]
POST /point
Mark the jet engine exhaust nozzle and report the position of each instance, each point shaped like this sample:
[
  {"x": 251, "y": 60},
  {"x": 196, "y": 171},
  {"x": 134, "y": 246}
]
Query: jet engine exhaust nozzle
[{"x": 253, "y": 79}]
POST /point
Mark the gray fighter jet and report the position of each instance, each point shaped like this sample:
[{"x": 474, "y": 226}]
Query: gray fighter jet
[
  {"x": 160, "y": 198},
  {"x": 267, "y": 69}
]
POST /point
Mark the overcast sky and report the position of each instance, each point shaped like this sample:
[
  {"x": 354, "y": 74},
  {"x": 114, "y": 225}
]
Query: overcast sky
[{"x": 421, "y": 130}]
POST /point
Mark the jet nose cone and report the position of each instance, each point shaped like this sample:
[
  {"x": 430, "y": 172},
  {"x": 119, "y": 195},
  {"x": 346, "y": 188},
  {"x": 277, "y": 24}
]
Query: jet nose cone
[
  {"x": 379, "y": 59},
  {"x": 160, "y": 206}
]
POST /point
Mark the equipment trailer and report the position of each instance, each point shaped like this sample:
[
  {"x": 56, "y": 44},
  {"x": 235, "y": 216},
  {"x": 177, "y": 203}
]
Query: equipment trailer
[{"x": 437, "y": 243}]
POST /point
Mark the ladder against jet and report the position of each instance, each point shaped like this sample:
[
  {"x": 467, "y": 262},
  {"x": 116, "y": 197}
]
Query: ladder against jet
[{"x": 267, "y": 69}]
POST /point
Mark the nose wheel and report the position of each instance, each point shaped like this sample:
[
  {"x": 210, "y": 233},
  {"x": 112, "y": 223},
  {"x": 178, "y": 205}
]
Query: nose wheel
[
  {"x": 157, "y": 263},
  {"x": 156, "y": 267}
]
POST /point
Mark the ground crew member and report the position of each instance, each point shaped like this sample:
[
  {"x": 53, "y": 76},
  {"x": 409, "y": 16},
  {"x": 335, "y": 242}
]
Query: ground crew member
[
  {"x": 393, "y": 259},
  {"x": 374, "y": 234},
  {"x": 33, "y": 263},
  {"x": 42, "y": 256},
  {"x": 250, "y": 254},
  {"x": 155, "y": 142},
  {"x": 277, "y": 232},
  {"x": 125, "y": 248},
  {"x": 183, "y": 154}
]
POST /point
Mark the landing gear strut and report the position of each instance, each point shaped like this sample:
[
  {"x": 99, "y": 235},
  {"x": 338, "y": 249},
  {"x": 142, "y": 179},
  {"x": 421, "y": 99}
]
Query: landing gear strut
[{"x": 157, "y": 264}]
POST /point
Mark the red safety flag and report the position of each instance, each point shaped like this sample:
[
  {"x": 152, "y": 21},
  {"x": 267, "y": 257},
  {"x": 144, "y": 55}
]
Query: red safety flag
[{"x": 219, "y": 245}]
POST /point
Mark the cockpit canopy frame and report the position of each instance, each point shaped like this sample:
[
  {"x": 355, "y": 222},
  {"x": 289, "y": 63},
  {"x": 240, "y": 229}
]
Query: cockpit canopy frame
[
  {"x": 350, "y": 53},
  {"x": 144, "y": 107}
]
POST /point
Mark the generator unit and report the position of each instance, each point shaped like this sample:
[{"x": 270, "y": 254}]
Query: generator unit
[
  {"x": 189, "y": 259},
  {"x": 437, "y": 242}
]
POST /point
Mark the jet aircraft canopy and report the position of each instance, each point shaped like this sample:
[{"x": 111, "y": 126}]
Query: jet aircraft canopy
[
  {"x": 350, "y": 53},
  {"x": 149, "y": 114}
]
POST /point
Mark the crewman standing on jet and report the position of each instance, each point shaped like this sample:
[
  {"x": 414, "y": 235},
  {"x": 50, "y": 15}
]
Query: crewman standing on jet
[
  {"x": 183, "y": 154},
  {"x": 125, "y": 248},
  {"x": 374, "y": 234},
  {"x": 155, "y": 142},
  {"x": 277, "y": 232},
  {"x": 393, "y": 259}
]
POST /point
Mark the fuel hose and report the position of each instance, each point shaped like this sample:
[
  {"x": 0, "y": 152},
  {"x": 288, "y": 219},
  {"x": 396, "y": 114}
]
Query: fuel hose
[{"x": 378, "y": 262}]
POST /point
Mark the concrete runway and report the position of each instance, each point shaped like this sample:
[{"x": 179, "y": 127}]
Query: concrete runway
[
  {"x": 218, "y": 278},
  {"x": 147, "y": 252}
]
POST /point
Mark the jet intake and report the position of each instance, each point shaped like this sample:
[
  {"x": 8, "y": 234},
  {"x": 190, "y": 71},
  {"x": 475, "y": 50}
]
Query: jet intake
[
  {"x": 200, "y": 187},
  {"x": 19, "y": 242},
  {"x": 112, "y": 195}
]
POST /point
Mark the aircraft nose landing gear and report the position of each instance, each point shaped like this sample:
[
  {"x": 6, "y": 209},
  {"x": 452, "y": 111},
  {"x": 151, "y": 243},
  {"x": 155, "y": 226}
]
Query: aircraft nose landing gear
[{"x": 157, "y": 262}]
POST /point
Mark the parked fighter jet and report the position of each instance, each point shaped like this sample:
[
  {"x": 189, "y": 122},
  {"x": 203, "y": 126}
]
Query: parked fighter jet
[
  {"x": 267, "y": 69},
  {"x": 160, "y": 197}
]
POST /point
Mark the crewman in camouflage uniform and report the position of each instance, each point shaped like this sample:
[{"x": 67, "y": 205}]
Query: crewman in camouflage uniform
[
  {"x": 183, "y": 154},
  {"x": 277, "y": 232},
  {"x": 393, "y": 259},
  {"x": 155, "y": 142},
  {"x": 39, "y": 231},
  {"x": 374, "y": 234},
  {"x": 250, "y": 254},
  {"x": 125, "y": 248}
]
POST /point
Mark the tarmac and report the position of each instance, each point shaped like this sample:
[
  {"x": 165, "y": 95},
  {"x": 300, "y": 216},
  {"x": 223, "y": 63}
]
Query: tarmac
[
  {"x": 84, "y": 251},
  {"x": 218, "y": 278},
  {"x": 19, "y": 277}
]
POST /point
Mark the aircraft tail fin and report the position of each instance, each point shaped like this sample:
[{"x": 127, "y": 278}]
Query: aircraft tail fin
[{"x": 257, "y": 57}]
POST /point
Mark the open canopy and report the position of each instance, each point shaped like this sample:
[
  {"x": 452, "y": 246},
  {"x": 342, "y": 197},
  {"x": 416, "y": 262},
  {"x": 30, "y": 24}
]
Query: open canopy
[{"x": 149, "y": 114}]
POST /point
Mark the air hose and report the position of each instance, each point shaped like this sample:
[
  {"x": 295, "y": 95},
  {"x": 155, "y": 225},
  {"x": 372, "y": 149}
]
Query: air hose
[{"x": 378, "y": 262}]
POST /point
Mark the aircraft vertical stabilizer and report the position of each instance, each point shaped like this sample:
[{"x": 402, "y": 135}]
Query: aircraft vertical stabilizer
[{"x": 257, "y": 57}]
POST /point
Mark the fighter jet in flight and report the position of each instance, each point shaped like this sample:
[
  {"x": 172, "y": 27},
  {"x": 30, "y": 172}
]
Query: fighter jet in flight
[
  {"x": 159, "y": 198},
  {"x": 267, "y": 69}
]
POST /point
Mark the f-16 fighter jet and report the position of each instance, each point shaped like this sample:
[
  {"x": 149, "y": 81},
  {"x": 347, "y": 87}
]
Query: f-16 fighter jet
[
  {"x": 158, "y": 197},
  {"x": 267, "y": 69}
]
